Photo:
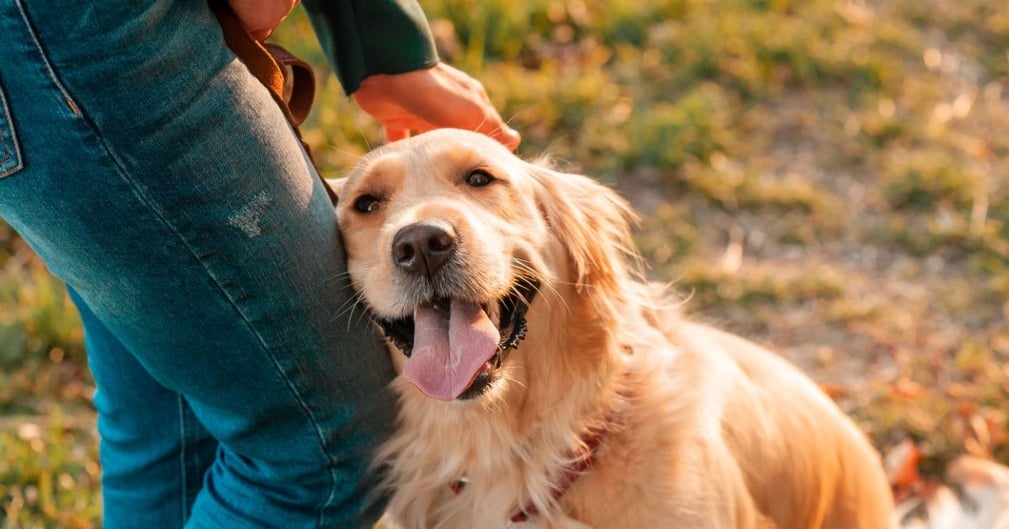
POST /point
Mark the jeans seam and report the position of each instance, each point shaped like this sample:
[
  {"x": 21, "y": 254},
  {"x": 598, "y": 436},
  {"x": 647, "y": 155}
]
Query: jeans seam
[
  {"x": 183, "y": 468},
  {"x": 18, "y": 158},
  {"x": 45, "y": 60}
]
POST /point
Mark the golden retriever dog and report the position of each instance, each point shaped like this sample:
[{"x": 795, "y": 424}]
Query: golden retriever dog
[{"x": 543, "y": 384}]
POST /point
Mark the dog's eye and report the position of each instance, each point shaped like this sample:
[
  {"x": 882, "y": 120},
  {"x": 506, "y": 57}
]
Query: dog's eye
[
  {"x": 479, "y": 178},
  {"x": 366, "y": 204}
]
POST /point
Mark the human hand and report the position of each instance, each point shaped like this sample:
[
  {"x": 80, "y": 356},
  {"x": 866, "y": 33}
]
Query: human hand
[
  {"x": 431, "y": 98},
  {"x": 261, "y": 17}
]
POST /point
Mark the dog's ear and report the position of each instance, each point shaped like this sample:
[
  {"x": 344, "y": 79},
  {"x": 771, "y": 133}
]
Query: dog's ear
[{"x": 592, "y": 222}]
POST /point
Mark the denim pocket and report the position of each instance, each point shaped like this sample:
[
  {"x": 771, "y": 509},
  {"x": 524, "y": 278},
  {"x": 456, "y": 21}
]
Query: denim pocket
[{"x": 10, "y": 153}]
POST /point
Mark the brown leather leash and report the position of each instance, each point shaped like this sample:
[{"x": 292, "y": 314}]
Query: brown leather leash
[{"x": 290, "y": 80}]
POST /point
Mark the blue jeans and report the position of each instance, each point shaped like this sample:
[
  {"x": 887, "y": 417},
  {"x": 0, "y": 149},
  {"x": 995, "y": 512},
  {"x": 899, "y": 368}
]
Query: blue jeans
[{"x": 238, "y": 386}]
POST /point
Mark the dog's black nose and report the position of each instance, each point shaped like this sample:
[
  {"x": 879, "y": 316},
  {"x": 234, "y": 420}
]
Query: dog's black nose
[{"x": 422, "y": 248}]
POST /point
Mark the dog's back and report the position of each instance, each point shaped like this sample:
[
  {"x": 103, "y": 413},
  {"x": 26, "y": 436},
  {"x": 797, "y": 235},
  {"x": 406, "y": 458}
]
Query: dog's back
[{"x": 804, "y": 463}]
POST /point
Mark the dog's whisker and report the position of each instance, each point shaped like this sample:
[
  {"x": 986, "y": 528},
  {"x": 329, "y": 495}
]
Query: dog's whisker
[
  {"x": 548, "y": 287},
  {"x": 348, "y": 307},
  {"x": 345, "y": 308},
  {"x": 336, "y": 277},
  {"x": 515, "y": 116},
  {"x": 526, "y": 270},
  {"x": 333, "y": 147},
  {"x": 481, "y": 124}
]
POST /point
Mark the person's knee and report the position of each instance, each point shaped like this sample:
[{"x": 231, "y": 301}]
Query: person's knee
[{"x": 239, "y": 491}]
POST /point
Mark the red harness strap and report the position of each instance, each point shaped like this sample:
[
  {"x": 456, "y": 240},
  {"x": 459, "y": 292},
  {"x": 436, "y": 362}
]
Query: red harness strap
[
  {"x": 591, "y": 441},
  {"x": 584, "y": 462},
  {"x": 568, "y": 476}
]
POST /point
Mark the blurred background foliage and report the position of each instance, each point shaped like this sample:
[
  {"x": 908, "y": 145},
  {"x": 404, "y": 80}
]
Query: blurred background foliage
[{"x": 828, "y": 177}]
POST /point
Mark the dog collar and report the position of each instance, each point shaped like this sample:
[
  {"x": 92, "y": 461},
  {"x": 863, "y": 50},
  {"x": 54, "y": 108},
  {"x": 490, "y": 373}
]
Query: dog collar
[
  {"x": 581, "y": 461},
  {"x": 570, "y": 474},
  {"x": 578, "y": 466}
]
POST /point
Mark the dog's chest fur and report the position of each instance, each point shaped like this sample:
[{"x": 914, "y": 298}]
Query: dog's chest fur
[{"x": 511, "y": 457}]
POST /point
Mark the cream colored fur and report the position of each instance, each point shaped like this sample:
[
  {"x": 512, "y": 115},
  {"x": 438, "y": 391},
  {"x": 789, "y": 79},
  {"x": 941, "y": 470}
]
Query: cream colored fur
[{"x": 704, "y": 429}]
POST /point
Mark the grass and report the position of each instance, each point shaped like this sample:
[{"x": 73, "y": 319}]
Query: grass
[{"x": 825, "y": 177}]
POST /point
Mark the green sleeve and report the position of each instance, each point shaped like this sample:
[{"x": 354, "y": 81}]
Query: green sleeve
[{"x": 368, "y": 37}]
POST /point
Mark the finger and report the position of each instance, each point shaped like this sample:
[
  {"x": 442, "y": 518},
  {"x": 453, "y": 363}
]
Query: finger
[
  {"x": 464, "y": 112},
  {"x": 482, "y": 94},
  {"x": 496, "y": 129},
  {"x": 475, "y": 110},
  {"x": 469, "y": 84},
  {"x": 262, "y": 34},
  {"x": 260, "y": 17},
  {"x": 491, "y": 124},
  {"x": 414, "y": 126},
  {"x": 437, "y": 97},
  {"x": 510, "y": 138}
]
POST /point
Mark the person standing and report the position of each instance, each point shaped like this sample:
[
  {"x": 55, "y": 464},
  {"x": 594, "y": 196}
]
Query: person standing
[{"x": 156, "y": 177}]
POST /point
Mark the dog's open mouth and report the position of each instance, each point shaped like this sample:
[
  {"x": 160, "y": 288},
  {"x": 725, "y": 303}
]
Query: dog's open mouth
[{"x": 455, "y": 346}]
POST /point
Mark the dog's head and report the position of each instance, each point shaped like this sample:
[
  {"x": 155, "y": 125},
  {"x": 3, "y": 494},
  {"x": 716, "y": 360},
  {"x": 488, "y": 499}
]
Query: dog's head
[{"x": 453, "y": 242}]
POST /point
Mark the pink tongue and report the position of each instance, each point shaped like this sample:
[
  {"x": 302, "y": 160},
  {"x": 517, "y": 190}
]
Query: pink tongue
[{"x": 448, "y": 353}]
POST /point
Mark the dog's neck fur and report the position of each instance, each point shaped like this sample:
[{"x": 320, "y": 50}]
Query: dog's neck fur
[{"x": 553, "y": 395}]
